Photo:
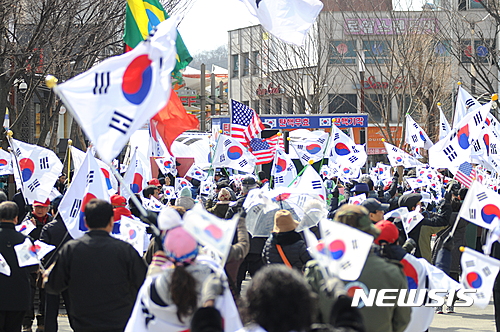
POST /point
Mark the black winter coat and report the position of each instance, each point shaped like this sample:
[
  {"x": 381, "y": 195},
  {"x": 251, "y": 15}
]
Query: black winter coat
[
  {"x": 102, "y": 275},
  {"x": 54, "y": 233},
  {"x": 15, "y": 290},
  {"x": 293, "y": 246}
]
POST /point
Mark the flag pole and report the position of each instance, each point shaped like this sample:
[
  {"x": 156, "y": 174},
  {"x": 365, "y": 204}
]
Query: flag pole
[
  {"x": 309, "y": 163},
  {"x": 327, "y": 144},
  {"x": 68, "y": 152},
  {"x": 11, "y": 149}
]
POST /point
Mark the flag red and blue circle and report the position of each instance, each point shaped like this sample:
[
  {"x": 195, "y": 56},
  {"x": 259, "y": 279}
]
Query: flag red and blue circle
[
  {"x": 280, "y": 165},
  {"x": 3, "y": 162},
  {"x": 137, "y": 80},
  {"x": 27, "y": 168},
  {"x": 489, "y": 212},
  {"x": 234, "y": 152},
  {"x": 214, "y": 232},
  {"x": 337, "y": 249},
  {"x": 463, "y": 137},
  {"x": 411, "y": 274},
  {"x": 136, "y": 185},
  {"x": 341, "y": 149},
  {"x": 107, "y": 178},
  {"x": 474, "y": 280},
  {"x": 313, "y": 148}
]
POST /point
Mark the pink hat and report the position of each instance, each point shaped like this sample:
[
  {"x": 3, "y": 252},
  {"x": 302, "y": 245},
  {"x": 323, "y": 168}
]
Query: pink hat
[{"x": 180, "y": 246}]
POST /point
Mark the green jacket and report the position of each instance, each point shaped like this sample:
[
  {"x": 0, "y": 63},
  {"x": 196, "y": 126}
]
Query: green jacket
[{"x": 379, "y": 273}]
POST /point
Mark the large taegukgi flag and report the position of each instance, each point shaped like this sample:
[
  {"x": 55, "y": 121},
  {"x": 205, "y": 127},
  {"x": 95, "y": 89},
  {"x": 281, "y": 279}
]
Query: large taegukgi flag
[
  {"x": 116, "y": 97},
  {"x": 38, "y": 169},
  {"x": 89, "y": 183}
]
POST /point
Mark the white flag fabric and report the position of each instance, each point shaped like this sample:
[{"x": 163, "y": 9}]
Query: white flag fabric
[
  {"x": 152, "y": 204},
  {"x": 357, "y": 200},
  {"x": 283, "y": 170},
  {"x": 39, "y": 167},
  {"x": 415, "y": 135},
  {"x": 465, "y": 104},
  {"x": 289, "y": 20},
  {"x": 207, "y": 186},
  {"x": 310, "y": 148},
  {"x": 181, "y": 183},
  {"x": 116, "y": 97},
  {"x": 156, "y": 146},
  {"x": 78, "y": 156},
  {"x": 344, "y": 151},
  {"x": 41, "y": 249},
  {"x": 5, "y": 163},
  {"x": 209, "y": 230},
  {"x": 444, "y": 126},
  {"x": 479, "y": 272},
  {"x": 411, "y": 220},
  {"x": 398, "y": 157},
  {"x": 310, "y": 182},
  {"x": 133, "y": 232},
  {"x": 136, "y": 176},
  {"x": 345, "y": 247},
  {"x": 455, "y": 148},
  {"x": 4, "y": 266},
  {"x": 197, "y": 173},
  {"x": 345, "y": 172},
  {"x": 25, "y": 227},
  {"x": 481, "y": 206},
  {"x": 416, "y": 275},
  {"x": 88, "y": 183},
  {"x": 26, "y": 253},
  {"x": 166, "y": 164},
  {"x": 169, "y": 192},
  {"x": 230, "y": 153}
]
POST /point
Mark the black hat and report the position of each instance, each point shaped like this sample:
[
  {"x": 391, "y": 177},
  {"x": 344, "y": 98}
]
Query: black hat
[
  {"x": 410, "y": 200},
  {"x": 373, "y": 205},
  {"x": 361, "y": 187},
  {"x": 248, "y": 181}
]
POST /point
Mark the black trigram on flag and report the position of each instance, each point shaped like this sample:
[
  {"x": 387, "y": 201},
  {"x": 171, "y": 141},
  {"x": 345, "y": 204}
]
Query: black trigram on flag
[
  {"x": 120, "y": 122},
  {"x": 481, "y": 196},
  {"x": 227, "y": 142},
  {"x": 101, "y": 83},
  {"x": 33, "y": 185},
  {"x": 450, "y": 153},
  {"x": 478, "y": 119},
  {"x": 75, "y": 208},
  {"x": 279, "y": 179},
  {"x": 44, "y": 163},
  {"x": 90, "y": 177},
  {"x": 222, "y": 158},
  {"x": 353, "y": 159},
  {"x": 316, "y": 184},
  {"x": 415, "y": 125},
  {"x": 243, "y": 163}
]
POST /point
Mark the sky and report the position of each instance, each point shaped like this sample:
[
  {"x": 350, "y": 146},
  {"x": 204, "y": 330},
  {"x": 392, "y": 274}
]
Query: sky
[{"x": 205, "y": 25}]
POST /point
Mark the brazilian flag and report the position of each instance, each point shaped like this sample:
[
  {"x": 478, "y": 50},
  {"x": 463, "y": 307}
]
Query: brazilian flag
[{"x": 141, "y": 17}]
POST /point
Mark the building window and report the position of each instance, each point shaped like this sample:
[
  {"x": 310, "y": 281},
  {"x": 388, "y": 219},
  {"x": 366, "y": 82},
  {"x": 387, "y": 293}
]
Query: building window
[
  {"x": 246, "y": 65},
  {"x": 301, "y": 105},
  {"x": 278, "y": 106},
  {"x": 376, "y": 51},
  {"x": 256, "y": 106},
  {"x": 266, "y": 106},
  {"x": 342, "y": 52},
  {"x": 289, "y": 105},
  {"x": 236, "y": 65},
  {"x": 343, "y": 103},
  {"x": 376, "y": 106},
  {"x": 481, "y": 50},
  {"x": 245, "y": 102},
  {"x": 255, "y": 62},
  {"x": 471, "y": 4}
]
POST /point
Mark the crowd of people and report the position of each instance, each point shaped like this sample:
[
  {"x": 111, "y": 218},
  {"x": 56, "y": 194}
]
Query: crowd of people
[{"x": 177, "y": 284}]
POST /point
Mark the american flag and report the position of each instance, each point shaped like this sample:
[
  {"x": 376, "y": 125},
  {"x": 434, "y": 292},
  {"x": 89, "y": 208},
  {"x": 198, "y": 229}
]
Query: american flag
[
  {"x": 276, "y": 141},
  {"x": 262, "y": 151},
  {"x": 465, "y": 174},
  {"x": 245, "y": 123}
]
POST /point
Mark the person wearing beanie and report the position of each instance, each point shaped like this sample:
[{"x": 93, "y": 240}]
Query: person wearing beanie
[
  {"x": 285, "y": 245},
  {"x": 221, "y": 206},
  {"x": 378, "y": 273},
  {"x": 171, "y": 296},
  {"x": 185, "y": 199}
]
